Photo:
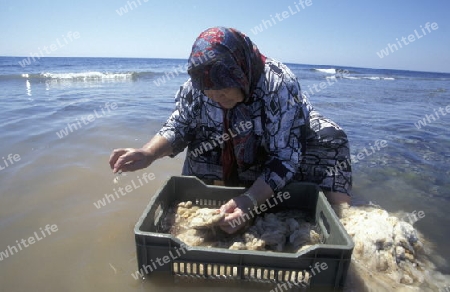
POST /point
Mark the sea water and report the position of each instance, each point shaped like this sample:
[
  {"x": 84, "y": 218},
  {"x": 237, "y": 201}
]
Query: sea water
[{"x": 61, "y": 118}]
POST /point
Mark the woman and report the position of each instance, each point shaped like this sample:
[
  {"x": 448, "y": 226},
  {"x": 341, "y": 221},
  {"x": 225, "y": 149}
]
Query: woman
[{"x": 245, "y": 123}]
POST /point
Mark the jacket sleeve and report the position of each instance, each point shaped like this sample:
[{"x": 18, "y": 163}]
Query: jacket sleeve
[
  {"x": 285, "y": 114},
  {"x": 178, "y": 127}
]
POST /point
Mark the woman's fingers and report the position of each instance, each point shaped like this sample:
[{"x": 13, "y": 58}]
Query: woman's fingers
[
  {"x": 127, "y": 159},
  {"x": 114, "y": 156},
  {"x": 133, "y": 162},
  {"x": 234, "y": 210},
  {"x": 229, "y": 225},
  {"x": 228, "y": 207}
]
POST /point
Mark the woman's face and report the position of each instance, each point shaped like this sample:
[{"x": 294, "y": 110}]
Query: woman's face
[{"x": 227, "y": 98}]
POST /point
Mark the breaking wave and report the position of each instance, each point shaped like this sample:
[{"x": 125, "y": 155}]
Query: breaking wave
[{"x": 85, "y": 76}]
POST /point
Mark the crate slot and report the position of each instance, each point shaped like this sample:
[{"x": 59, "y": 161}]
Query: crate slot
[{"x": 158, "y": 213}]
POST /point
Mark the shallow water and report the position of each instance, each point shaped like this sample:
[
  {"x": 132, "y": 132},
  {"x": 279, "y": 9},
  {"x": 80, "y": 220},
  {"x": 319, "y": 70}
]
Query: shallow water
[{"x": 57, "y": 180}]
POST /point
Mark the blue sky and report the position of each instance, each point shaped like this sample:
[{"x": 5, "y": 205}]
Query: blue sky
[{"x": 339, "y": 32}]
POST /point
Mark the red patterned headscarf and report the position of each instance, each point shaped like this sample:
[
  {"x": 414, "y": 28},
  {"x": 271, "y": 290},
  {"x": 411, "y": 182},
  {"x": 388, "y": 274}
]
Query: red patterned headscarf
[{"x": 223, "y": 58}]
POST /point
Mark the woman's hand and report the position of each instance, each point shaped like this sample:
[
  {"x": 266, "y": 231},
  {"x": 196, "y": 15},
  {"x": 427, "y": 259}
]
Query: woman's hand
[
  {"x": 234, "y": 211},
  {"x": 130, "y": 159}
]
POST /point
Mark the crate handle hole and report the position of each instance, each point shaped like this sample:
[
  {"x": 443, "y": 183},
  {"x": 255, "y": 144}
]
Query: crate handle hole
[
  {"x": 325, "y": 224},
  {"x": 158, "y": 214}
]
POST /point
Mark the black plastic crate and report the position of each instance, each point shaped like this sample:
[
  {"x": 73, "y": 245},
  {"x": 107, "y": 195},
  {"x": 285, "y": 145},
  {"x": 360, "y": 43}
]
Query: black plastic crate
[{"x": 261, "y": 266}]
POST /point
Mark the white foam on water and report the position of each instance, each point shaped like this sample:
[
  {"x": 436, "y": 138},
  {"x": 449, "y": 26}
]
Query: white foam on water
[
  {"x": 368, "y": 78},
  {"x": 328, "y": 71},
  {"x": 87, "y": 75}
]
